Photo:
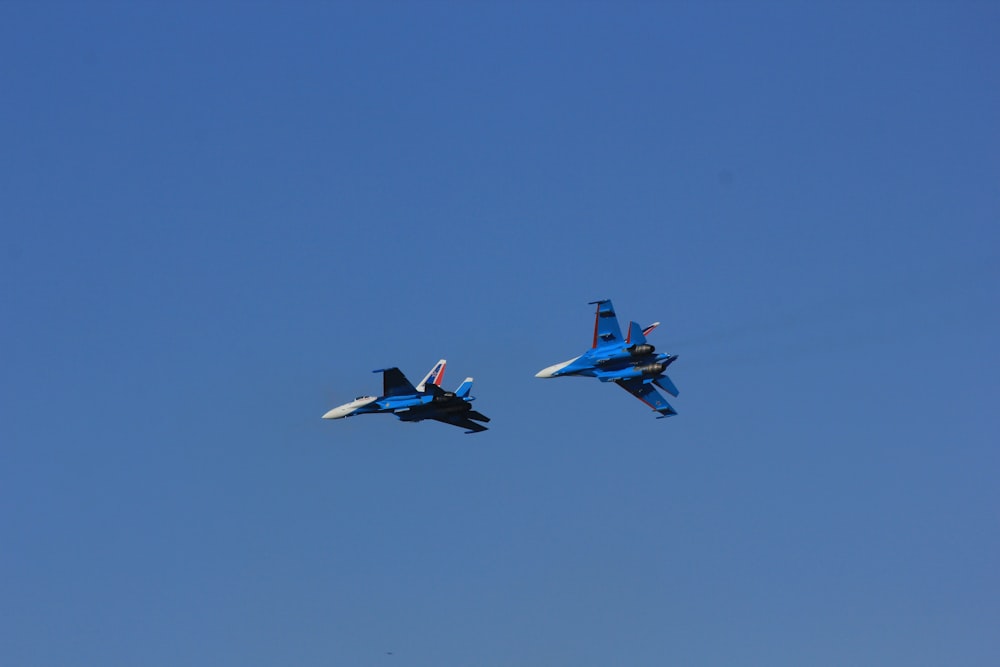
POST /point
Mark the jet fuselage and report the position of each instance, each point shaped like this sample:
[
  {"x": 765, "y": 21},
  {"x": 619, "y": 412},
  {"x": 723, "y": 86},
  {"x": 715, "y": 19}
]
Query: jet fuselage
[
  {"x": 611, "y": 364},
  {"x": 629, "y": 361},
  {"x": 425, "y": 401}
]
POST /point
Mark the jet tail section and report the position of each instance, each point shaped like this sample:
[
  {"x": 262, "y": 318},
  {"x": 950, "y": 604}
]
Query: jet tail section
[
  {"x": 647, "y": 395},
  {"x": 636, "y": 336},
  {"x": 478, "y": 416},
  {"x": 434, "y": 390},
  {"x": 664, "y": 383},
  {"x": 434, "y": 376},
  {"x": 464, "y": 389}
]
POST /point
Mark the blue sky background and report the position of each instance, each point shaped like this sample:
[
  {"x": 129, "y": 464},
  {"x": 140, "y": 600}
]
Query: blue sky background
[{"x": 218, "y": 219}]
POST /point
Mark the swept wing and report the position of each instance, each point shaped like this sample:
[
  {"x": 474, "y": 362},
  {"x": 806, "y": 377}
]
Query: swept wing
[
  {"x": 645, "y": 392},
  {"x": 394, "y": 383}
]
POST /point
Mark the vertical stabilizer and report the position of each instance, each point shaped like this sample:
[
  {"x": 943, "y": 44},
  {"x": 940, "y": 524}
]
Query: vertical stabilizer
[
  {"x": 636, "y": 336},
  {"x": 434, "y": 376},
  {"x": 464, "y": 389},
  {"x": 606, "y": 329}
]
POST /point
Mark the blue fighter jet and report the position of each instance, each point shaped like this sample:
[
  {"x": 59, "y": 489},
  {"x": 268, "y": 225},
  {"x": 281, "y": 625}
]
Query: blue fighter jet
[
  {"x": 412, "y": 404},
  {"x": 629, "y": 361}
]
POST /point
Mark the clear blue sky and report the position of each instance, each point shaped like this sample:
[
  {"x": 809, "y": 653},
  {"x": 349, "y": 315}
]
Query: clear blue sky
[{"x": 217, "y": 219}]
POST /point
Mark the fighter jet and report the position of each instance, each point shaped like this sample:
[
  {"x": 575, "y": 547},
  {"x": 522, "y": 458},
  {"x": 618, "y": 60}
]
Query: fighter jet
[
  {"x": 630, "y": 362},
  {"x": 412, "y": 404}
]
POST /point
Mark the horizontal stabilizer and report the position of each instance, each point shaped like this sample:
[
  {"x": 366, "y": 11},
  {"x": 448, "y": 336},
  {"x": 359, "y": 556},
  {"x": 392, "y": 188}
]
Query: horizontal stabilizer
[
  {"x": 647, "y": 395},
  {"x": 664, "y": 383},
  {"x": 462, "y": 421},
  {"x": 478, "y": 416}
]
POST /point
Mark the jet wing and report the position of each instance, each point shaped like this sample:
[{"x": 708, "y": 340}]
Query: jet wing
[
  {"x": 461, "y": 421},
  {"x": 394, "y": 383},
  {"x": 606, "y": 329},
  {"x": 647, "y": 394}
]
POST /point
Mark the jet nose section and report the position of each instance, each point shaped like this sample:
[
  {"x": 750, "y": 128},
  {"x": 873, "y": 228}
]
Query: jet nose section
[
  {"x": 357, "y": 406},
  {"x": 337, "y": 413},
  {"x": 553, "y": 371}
]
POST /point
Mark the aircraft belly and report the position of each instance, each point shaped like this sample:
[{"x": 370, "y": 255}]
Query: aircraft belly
[{"x": 430, "y": 411}]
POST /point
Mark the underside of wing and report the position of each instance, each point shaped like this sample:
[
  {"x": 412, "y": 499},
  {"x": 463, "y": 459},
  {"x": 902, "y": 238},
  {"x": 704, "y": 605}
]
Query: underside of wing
[
  {"x": 394, "y": 383},
  {"x": 462, "y": 422},
  {"x": 606, "y": 329},
  {"x": 647, "y": 394},
  {"x": 478, "y": 416}
]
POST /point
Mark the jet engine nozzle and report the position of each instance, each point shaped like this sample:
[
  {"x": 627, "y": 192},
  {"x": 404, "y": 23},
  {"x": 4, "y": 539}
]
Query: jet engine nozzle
[
  {"x": 651, "y": 369},
  {"x": 641, "y": 350}
]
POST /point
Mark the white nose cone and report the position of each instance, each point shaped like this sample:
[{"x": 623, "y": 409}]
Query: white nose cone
[
  {"x": 347, "y": 409},
  {"x": 552, "y": 371},
  {"x": 339, "y": 412}
]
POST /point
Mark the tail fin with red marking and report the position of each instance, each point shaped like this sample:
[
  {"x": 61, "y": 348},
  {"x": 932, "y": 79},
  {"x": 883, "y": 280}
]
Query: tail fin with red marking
[{"x": 434, "y": 376}]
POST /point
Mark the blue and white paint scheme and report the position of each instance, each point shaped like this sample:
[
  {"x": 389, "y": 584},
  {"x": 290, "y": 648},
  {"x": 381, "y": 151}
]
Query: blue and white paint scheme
[
  {"x": 629, "y": 361},
  {"x": 425, "y": 401}
]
